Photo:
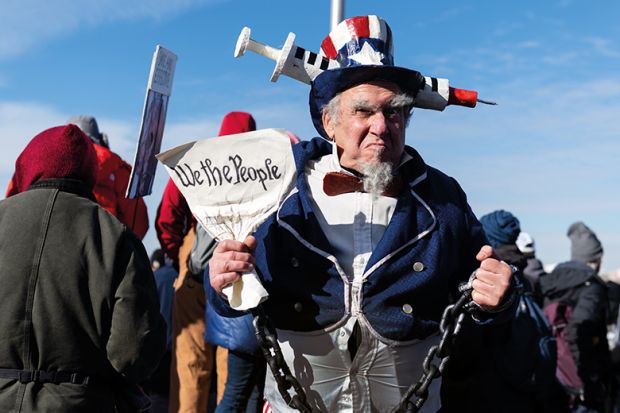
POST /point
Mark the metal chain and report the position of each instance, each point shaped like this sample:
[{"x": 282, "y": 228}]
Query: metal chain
[
  {"x": 449, "y": 327},
  {"x": 268, "y": 341}
]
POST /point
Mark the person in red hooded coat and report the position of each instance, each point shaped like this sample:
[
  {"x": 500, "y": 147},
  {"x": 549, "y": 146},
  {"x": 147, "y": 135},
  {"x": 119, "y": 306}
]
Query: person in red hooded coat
[
  {"x": 112, "y": 178},
  {"x": 192, "y": 358}
]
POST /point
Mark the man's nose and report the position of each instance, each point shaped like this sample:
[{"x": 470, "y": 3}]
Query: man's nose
[{"x": 378, "y": 124}]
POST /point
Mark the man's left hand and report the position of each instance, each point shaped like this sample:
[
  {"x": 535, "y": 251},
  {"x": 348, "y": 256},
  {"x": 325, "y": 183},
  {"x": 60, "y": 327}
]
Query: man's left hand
[{"x": 492, "y": 280}]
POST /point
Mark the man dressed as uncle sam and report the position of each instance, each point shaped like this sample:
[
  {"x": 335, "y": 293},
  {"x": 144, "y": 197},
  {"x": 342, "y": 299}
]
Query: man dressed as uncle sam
[{"x": 369, "y": 247}]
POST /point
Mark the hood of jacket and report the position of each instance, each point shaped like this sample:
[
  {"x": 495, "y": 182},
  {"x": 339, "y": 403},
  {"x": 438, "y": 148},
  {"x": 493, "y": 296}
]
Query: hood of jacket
[
  {"x": 237, "y": 122},
  {"x": 566, "y": 276},
  {"x": 61, "y": 152}
]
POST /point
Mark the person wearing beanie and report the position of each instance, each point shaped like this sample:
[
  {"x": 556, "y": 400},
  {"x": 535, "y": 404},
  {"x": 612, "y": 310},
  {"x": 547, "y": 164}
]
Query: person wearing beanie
[
  {"x": 370, "y": 246},
  {"x": 503, "y": 230},
  {"x": 585, "y": 246},
  {"x": 112, "y": 178},
  {"x": 525, "y": 243},
  {"x": 89, "y": 126},
  {"x": 534, "y": 268},
  {"x": 191, "y": 369},
  {"x": 80, "y": 313},
  {"x": 576, "y": 283},
  {"x": 501, "y": 227}
]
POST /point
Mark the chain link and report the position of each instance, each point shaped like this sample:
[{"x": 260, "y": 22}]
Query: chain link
[
  {"x": 268, "y": 341},
  {"x": 449, "y": 327}
]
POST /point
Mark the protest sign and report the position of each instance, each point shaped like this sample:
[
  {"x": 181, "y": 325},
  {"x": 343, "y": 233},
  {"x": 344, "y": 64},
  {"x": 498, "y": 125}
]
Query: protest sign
[
  {"x": 158, "y": 92},
  {"x": 232, "y": 184}
]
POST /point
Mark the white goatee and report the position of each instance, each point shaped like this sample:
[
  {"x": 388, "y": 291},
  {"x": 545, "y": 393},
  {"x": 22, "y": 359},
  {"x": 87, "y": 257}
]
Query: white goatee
[{"x": 377, "y": 177}]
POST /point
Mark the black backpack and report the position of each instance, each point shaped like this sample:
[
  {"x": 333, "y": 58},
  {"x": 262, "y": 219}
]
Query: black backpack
[{"x": 527, "y": 358}]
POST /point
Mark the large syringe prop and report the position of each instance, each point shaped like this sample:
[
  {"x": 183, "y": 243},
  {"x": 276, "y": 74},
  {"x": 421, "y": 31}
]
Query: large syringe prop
[{"x": 304, "y": 65}]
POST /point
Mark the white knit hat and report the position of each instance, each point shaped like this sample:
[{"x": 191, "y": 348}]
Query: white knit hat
[{"x": 525, "y": 243}]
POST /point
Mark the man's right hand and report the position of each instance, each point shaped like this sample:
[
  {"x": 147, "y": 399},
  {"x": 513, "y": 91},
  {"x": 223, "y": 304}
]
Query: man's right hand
[{"x": 230, "y": 259}]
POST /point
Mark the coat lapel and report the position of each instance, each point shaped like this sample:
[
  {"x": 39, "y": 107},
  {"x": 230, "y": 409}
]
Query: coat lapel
[
  {"x": 297, "y": 211},
  {"x": 412, "y": 218}
]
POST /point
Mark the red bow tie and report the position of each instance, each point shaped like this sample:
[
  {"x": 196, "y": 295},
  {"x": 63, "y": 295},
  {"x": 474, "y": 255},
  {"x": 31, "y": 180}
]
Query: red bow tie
[{"x": 337, "y": 183}]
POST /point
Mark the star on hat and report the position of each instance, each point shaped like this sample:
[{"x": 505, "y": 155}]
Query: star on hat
[{"x": 367, "y": 55}]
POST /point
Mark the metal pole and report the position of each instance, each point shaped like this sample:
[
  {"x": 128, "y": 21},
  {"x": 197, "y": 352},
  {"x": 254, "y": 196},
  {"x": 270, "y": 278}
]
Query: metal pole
[{"x": 337, "y": 13}]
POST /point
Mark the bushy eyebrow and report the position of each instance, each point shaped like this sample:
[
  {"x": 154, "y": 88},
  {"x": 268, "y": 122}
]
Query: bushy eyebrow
[
  {"x": 401, "y": 100},
  {"x": 398, "y": 101},
  {"x": 362, "y": 104}
]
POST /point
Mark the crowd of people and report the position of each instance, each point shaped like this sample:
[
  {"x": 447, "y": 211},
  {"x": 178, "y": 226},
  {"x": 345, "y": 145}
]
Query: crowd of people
[{"x": 360, "y": 261}]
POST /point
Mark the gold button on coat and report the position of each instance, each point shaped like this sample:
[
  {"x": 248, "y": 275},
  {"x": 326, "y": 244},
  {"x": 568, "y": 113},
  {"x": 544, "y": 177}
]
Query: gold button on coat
[
  {"x": 418, "y": 266},
  {"x": 407, "y": 309}
]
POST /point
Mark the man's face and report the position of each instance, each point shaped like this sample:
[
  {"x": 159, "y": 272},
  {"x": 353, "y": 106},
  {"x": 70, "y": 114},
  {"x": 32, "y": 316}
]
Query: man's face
[{"x": 369, "y": 128}]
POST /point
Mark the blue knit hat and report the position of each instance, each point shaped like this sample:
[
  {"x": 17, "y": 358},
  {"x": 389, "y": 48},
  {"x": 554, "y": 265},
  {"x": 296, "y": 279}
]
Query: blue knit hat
[
  {"x": 501, "y": 227},
  {"x": 362, "y": 46}
]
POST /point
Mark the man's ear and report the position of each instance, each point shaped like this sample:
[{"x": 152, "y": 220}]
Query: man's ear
[{"x": 328, "y": 125}]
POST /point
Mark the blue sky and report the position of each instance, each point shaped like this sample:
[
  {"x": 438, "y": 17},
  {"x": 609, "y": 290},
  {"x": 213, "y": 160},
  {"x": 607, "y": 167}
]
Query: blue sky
[{"x": 548, "y": 152}]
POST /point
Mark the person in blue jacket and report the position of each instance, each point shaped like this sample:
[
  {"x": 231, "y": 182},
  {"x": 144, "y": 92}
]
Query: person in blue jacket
[
  {"x": 245, "y": 365},
  {"x": 245, "y": 372},
  {"x": 371, "y": 245}
]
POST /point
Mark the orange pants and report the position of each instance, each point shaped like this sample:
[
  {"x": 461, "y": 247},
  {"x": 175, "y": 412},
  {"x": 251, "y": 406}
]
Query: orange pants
[
  {"x": 191, "y": 367},
  {"x": 221, "y": 366}
]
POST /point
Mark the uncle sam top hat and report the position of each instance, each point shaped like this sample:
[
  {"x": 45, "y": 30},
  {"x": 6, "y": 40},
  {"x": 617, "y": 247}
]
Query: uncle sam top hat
[{"x": 362, "y": 46}]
